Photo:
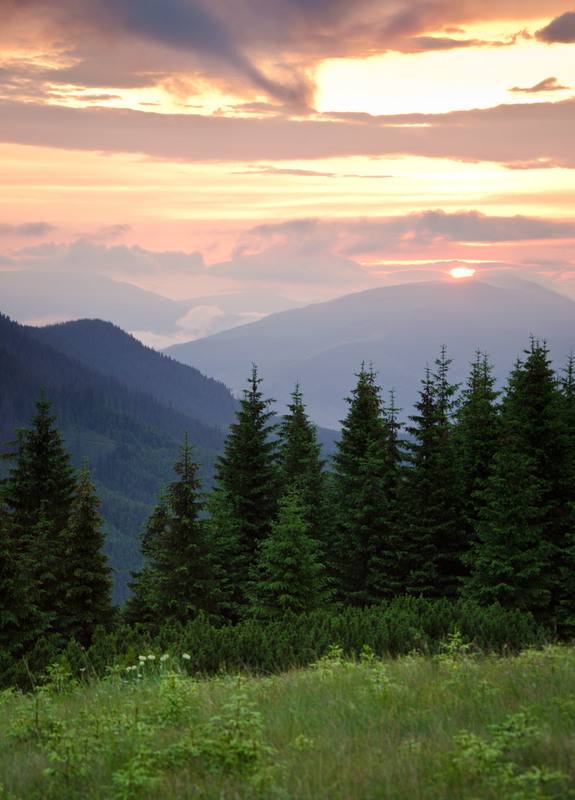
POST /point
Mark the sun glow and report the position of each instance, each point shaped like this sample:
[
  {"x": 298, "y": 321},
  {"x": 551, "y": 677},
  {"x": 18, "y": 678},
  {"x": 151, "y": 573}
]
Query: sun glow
[{"x": 461, "y": 272}]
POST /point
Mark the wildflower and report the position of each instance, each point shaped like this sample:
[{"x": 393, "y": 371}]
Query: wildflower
[
  {"x": 151, "y": 657},
  {"x": 141, "y": 658},
  {"x": 165, "y": 657},
  {"x": 186, "y": 656}
]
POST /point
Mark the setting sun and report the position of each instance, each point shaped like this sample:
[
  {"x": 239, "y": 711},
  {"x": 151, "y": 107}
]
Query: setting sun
[{"x": 461, "y": 272}]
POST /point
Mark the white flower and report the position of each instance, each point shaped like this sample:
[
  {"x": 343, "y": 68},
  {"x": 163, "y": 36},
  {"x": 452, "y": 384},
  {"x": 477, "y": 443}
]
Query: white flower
[
  {"x": 151, "y": 657},
  {"x": 141, "y": 658},
  {"x": 165, "y": 657},
  {"x": 186, "y": 656}
]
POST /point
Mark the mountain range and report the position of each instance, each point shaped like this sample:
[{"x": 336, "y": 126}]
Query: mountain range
[
  {"x": 42, "y": 297},
  {"x": 399, "y": 330}
]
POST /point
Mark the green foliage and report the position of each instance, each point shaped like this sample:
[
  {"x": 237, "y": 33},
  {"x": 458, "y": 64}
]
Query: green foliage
[
  {"x": 56, "y": 582},
  {"x": 363, "y": 727},
  {"x": 430, "y": 495},
  {"x": 88, "y": 599},
  {"x": 300, "y": 465},
  {"x": 365, "y": 485},
  {"x": 247, "y": 474},
  {"x": 178, "y": 580},
  {"x": 289, "y": 576}
]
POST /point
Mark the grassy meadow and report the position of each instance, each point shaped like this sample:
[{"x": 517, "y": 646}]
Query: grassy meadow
[{"x": 455, "y": 725}]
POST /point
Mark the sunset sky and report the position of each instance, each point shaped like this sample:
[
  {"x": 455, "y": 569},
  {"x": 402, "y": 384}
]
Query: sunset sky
[{"x": 309, "y": 147}]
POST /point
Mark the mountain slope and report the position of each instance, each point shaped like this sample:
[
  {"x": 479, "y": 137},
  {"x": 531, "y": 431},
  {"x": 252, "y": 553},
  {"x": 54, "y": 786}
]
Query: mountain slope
[
  {"x": 113, "y": 352},
  {"x": 130, "y": 438},
  {"x": 399, "y": 329}
]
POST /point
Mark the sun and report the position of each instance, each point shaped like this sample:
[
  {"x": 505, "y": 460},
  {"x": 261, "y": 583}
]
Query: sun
[{"x": 461, "y": 272}]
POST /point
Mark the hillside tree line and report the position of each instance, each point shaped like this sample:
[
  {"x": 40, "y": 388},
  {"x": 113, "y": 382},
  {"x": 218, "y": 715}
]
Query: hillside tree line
[{"x": 473, "y": 498}]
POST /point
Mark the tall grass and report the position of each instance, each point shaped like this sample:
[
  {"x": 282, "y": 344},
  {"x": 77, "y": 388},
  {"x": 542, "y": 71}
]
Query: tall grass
[{"x": 451, "y": 726}]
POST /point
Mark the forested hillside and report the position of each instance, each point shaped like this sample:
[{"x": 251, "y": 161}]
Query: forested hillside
[
  {"x": 112, "y": 351},
  {"x": 129, "y": 436},
  {"x": 461, "y": 512}
]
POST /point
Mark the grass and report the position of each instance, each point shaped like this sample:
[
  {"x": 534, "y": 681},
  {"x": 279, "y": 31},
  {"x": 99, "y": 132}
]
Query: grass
[{"x": 458, "y": 725}]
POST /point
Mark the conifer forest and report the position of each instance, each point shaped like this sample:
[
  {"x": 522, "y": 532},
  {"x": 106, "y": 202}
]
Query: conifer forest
[{"x": 457, "y": 513}]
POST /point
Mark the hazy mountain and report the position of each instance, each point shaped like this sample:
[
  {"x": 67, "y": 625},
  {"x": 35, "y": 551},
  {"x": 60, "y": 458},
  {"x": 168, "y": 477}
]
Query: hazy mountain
[
  {"x": 129, "y": 436},
  {"x": 399, "y": 329},
  {"x": 38, "y": 297},
  {"x": 113, "y": 352},
  {"x": 42, "y": 297}
]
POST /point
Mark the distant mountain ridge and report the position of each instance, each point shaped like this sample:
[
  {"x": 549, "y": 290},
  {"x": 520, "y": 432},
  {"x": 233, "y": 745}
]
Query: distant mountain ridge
[{"x": 398, "y": 329}]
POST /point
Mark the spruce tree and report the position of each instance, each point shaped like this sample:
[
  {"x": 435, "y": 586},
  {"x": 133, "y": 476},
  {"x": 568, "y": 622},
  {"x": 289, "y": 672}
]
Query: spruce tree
[
  {"x": 300, "y": 465},
  {"x": 88, "y": 599},
  {"x": 247, "y": 475},
  {"x": 433, "y": 545},
  {"x": 566, "y": 604},
  {"x": 534, "y": 405},
  {"x": 510, "y": 555},
  {"x": 288, "y": 576},
  {"x": 42, "y": 476},
  {"x": 179, "y": 579},
  {"x": 364, "y": 488},
  {"x": 140, "y": 605},
  {"x": 21, "y": 622},
  {"x": 476, "y": 437},
  {"x": 38, "y": 495}
]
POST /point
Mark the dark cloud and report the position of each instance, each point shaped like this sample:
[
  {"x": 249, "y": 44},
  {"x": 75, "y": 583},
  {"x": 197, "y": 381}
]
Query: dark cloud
[
  {"x": 433, "y": 43},
  {"x": 309, "y": 173},
  {"x": 88, "y": 257},
  {"x": 546, "y": 85},
  {"x": 561, "y": 30},
  {"x": 509, "y": 134},
  {"x": 351, "y": 238},
  {"x": 27, "y": 229},
  {"x": 269, "y": 45}
]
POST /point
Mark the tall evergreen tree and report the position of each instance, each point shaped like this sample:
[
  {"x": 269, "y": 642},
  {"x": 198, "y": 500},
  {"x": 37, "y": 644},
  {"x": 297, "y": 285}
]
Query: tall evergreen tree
[
  {"x": 300, "y": 465},
  {"x": 288, "y": 575},
  {"x": 38, "y": 495},
  {"x": 247, "y": 475},
  {"x": 179, "y": 579},
  {"x": 566, "y": 604},
  {"x": 510, "y": 556},
  {"x": 20, "y": 619},
  {"x": 364, "y": 494},
  {"x": 477, "y": 435},
  {"x": 534, "y": 406},
  {"x": 430, "y": 497},
  {"x": 42, "y": 475},
  {"x": 88, "y": 599}
]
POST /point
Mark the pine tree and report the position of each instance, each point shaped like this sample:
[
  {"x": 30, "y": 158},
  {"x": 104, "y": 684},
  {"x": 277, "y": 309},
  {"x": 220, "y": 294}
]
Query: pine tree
[
  {"x": 300, "y": 465},
  {"x": 566, "y": 603},
  {"x": 179, "y": 579},
  {"x": 288, "y": 575},
  {"x": 38, "y": 495},
  {"x": 431, "y": 558},
  {"x": 476, "y": 436},
  {"x": 42, "y": 477},
  {"x": 535, "y": 406},
  {"x": 247, "y": 474},
  {"x": 88, "y": 598},
  {"x": 140, "y": 605},
  {"x": 20, "y": 619},
  {"x": 510, "y": 556},
  {"x": 364, "y": 486}
]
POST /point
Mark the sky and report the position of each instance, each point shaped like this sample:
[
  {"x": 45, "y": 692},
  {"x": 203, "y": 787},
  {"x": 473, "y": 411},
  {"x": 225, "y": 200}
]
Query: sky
[{"x": 308, "y": 148}]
